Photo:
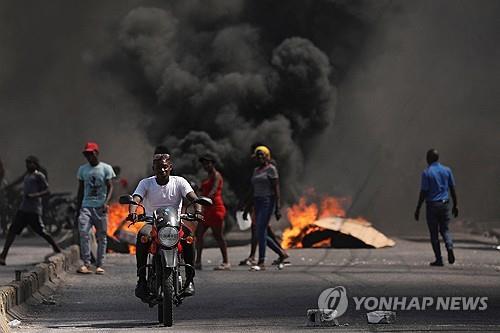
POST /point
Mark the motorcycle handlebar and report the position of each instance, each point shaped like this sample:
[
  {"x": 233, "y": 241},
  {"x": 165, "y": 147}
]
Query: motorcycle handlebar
[
  {"x": 150, "y": 219},
  {"x": 141, "y": 218},
  {"x": 190, "y": 217}
]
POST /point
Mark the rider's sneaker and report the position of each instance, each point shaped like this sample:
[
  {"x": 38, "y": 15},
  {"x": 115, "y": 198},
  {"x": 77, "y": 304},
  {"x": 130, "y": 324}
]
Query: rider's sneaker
[
  {"x": 188, "y": 290},
  {"x": 84, "y": 269},
  {"x": 141, "y": 290}
]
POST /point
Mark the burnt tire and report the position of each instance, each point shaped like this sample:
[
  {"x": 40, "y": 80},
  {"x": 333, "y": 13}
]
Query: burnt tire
[{"x": 166, "y": 307}]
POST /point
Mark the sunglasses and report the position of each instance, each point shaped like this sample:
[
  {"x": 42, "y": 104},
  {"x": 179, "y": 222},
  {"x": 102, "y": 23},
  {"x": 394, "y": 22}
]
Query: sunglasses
[{"x": 158, "y": 157}]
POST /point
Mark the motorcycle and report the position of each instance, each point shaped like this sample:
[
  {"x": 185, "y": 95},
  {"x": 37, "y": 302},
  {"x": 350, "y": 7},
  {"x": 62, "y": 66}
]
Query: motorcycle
[
  {"x": 59, "y": 208},
  {"x": 165, "y": 256}
]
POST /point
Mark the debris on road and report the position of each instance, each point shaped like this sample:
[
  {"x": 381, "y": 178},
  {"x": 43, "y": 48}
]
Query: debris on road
[
  {"x": 14, "y": 323},
  {"x": 321, "y": 317},
  {"x": 48, "y": 301},
  {"x": 353, "y": 233},
  {"x": 381, "y": 317}
]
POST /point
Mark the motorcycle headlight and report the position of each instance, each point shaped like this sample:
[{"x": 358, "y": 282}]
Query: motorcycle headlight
[{"x": 168, "y": 236}]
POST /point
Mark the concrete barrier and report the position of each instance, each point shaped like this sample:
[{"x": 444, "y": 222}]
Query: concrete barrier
[{"x": 17, "y": 292}]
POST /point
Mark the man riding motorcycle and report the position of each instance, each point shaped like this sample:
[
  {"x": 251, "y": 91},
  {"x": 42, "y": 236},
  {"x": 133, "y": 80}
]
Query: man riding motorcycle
[{"x": 154, "y": 192}]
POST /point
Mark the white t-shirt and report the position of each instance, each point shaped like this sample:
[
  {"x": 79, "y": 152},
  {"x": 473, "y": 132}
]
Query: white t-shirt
[{"x": 157, "y": 196}]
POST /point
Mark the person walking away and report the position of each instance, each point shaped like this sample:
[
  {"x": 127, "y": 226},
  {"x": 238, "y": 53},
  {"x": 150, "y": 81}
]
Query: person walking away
[
  {"x": 214, "y": 215},
  {"x": 94, "y": 192},
  {"x": 437, "y": 180},
  {"x": 35, "y": 186}
]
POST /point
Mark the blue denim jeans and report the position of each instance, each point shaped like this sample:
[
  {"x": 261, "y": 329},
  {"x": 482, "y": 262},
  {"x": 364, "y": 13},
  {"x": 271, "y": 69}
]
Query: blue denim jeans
[
  {"x": 438, "y": 218},
  {"x": 264, "y": 208},
  {"x": 98, "y": 218}
]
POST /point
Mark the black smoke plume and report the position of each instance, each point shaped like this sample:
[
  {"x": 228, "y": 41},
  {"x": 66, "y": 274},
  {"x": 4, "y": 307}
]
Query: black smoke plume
[{"x": 220, "y": 75}]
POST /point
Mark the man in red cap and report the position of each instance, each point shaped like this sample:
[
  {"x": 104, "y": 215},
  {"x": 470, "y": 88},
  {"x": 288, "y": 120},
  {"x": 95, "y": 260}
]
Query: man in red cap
[{"x": 94, "y": 192}]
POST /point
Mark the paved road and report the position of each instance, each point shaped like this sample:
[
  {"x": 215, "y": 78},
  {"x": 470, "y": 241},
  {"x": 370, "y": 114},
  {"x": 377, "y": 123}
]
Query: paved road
[
  {"x": 275, "y": 300},
  {"x": 24, "y": 254}
]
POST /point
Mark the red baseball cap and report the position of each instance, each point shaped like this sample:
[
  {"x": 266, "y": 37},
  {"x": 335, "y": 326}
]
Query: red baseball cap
[{"x": 91, "y": 146}]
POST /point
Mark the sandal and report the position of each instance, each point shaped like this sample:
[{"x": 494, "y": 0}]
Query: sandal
[
  {"x": 223, "y": 267},
  {"x": 247, "y": 262},
  {"x": 84, "y": 270}
]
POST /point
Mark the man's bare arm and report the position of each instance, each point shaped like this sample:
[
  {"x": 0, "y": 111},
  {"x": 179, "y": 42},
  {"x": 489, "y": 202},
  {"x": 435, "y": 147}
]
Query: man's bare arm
[
  {"x": 109, "y": 188},
  {"x": 39, "y": 194},
  {"x": 421, "y": 199},
  {"x": 133, "y": 208},
  {"x": 454, "y": 210},
  {"x": 79, "y": 196},
  {"x": 191, "y": 196}
]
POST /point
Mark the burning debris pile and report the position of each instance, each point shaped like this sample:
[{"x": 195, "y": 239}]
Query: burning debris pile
[
  {"x": 327, "y": 226},
  {"x": 121, "y": 237}
]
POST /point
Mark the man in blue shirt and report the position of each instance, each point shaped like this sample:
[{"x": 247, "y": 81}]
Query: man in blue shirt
[{"x": 437, "y": 181}]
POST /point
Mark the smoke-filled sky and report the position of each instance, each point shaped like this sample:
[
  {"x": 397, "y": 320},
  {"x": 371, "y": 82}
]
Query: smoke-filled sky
[
  {"x": 217, "y": 76},
  {"x": 348, "y": 94},
  {"x": 428, "y": 78}
]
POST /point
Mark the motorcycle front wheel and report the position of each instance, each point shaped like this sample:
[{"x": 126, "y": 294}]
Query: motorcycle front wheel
[{"x": 166, "y": 307}]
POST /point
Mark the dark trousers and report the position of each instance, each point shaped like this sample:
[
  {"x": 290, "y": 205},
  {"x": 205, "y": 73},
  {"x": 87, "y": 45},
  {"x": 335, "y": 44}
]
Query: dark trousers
[
  {"x": 22, "y": 220},
  {"x": 141, "y": 253},
  {"x": 272, "y": 241},
  {"x": 438, "y": 218},
  {"x": 264, "y": 207}
]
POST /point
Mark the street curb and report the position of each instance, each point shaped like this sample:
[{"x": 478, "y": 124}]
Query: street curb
[{"x": 17, "y": 292}]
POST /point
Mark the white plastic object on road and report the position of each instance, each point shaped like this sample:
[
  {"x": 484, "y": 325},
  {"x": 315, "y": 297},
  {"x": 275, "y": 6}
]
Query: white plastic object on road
[
  {"x": 381, "y": 317},
  {"x": 243, "y": 224},
  {"x": 14, "y": 323}
]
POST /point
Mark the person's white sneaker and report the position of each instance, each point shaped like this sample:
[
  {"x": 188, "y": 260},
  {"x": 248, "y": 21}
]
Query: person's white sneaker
[{"x": 257, "y": 268}]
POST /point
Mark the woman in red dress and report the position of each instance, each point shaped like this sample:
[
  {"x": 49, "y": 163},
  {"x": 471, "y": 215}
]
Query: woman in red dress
[{"x": 214, "y": 215}]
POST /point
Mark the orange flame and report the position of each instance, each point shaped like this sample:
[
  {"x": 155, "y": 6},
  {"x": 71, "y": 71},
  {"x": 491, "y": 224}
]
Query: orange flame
[
  {"x": 116, "y": 214},
  {"x": 116, "y": 217},
  {"x": 302, "y": 215}
]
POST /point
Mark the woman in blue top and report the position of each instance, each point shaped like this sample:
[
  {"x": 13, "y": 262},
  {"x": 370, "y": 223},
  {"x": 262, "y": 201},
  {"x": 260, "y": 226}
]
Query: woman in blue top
[{"x": 266, "y": 195}]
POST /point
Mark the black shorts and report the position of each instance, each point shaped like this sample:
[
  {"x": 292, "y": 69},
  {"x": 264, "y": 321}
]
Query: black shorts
[{"x": 26, "y": 218}]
